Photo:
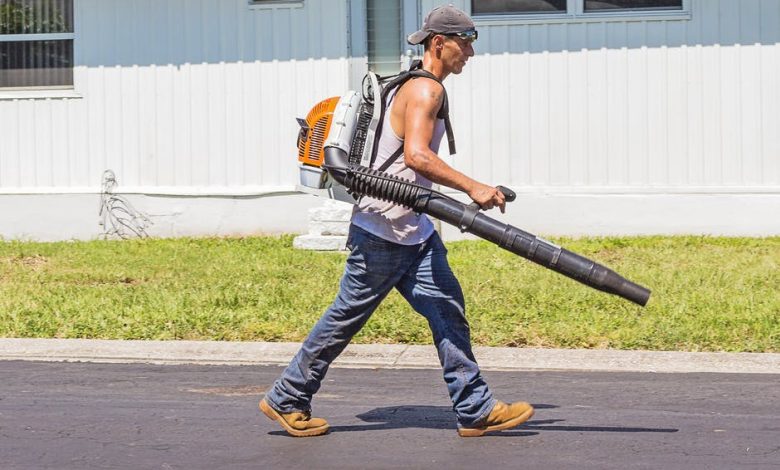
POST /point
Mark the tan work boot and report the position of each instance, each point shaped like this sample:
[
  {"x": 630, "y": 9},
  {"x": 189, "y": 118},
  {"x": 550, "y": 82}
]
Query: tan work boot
[
  {"x": 296, "y": 424},
  {"x": 502, "y": 416}
]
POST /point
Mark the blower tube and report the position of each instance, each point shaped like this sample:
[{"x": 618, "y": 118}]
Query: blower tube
[{"x": 364, "y": 181}]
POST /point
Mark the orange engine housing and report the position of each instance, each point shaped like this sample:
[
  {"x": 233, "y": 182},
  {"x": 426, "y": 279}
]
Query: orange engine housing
[{"x": 312, "y": 138}]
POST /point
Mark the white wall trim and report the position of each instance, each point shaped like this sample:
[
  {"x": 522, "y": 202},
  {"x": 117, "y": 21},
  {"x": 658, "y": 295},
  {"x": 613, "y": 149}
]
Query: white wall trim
[
  {"x": 275, "y": 4},
  {"x": 37, "y": 37},
  {"x": 39, "y": 94},
  {"x": 507, "y": 20},
  {"x": 628, "y": 191},
  {"x": 259, "y": 191},
  {"x": 182, "y": 191}
]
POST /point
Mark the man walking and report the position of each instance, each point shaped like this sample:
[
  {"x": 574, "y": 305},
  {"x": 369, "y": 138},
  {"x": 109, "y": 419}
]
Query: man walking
[{"x": 393, "y": 247}]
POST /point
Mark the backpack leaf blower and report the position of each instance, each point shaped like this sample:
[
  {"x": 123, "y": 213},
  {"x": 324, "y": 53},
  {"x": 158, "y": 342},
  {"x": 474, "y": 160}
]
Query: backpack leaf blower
[{"x": 335, "y": 152}]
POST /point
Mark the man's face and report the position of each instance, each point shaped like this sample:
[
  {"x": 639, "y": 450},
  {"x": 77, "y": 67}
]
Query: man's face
[{"x": 456, "y": 51}]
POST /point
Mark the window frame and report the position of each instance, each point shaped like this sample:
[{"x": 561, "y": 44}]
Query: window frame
[
  {"x": 274, "y": 4},
  {"x": 46, "y": 91},
  {"x": 575, "y": 13}
]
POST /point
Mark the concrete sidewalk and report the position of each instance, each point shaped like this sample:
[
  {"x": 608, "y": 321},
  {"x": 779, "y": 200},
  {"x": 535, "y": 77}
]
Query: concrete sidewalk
[{"x": 383, "y": 356}]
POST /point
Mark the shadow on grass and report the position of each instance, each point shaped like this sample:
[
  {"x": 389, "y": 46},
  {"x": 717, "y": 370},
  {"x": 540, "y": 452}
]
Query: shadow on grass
[{"x": 442, "y": 417}]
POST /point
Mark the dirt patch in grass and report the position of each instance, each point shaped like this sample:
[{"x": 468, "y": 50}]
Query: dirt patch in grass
[
  {"x": 123, "y": 281},
  {"x": 33, "y": 261}
]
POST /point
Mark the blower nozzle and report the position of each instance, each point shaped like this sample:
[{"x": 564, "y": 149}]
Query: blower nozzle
[{"x": 364, "y": 181}]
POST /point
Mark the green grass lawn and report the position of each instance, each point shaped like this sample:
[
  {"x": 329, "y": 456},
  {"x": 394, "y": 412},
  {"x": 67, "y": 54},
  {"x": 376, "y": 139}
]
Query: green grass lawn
[{"x": 709, "y": 294}]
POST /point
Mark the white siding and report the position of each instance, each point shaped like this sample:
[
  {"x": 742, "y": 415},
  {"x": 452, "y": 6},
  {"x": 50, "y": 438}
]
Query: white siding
[
  {"x": 198, "y": 97},
  {"x": 186, "y": 93},
  {"x": 672, "y": 105}
]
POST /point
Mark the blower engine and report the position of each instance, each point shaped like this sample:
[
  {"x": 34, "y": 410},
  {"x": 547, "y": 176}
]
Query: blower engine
[
  {"x": 335, "y": 146},
  {"x": 349, "y": 123}
]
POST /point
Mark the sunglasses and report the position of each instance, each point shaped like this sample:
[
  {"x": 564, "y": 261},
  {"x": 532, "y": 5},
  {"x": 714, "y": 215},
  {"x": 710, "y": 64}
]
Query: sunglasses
[{"x": 468, "y": 36}]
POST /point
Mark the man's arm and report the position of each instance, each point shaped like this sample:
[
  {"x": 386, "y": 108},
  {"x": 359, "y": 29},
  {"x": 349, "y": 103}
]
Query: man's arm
[{"x": 425, "y": 99}]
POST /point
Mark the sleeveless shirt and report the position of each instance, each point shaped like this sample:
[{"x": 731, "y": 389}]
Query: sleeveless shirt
[{"x": 387, "y": 220}]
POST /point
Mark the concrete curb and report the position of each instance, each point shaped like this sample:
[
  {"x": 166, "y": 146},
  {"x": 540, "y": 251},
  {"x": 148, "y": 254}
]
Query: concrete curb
[{"x": 384, "y": 356}]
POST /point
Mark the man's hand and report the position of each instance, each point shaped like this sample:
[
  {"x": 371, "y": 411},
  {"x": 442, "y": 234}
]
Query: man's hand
[{"x": 487, "y": 197}]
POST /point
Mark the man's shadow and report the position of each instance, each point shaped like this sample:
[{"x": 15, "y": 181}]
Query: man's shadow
[{"x": 442, "y": 417}]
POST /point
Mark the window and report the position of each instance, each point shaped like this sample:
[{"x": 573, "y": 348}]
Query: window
[
  {"x": 576, "y": 8},
  {"x": 36, "y": 43},
  {"x": 499, "y": 7},
  {"x": 594, "y": 5},
  {"x": 383, "y": 31}
]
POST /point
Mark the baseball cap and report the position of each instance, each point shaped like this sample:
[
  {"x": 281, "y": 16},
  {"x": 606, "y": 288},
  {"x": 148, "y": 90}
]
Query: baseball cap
[{"x": 444, "y": 19}]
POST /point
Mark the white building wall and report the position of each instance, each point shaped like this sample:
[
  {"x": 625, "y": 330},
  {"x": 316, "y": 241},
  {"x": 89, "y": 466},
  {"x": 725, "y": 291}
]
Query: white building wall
[
  {"x": 620, "y": 126},
  {"x": 628, "y": 126},
  {"x": 640, "y": 106},
  {"x": 179, "y": 93},
  {"x": 190, "y": 102}
]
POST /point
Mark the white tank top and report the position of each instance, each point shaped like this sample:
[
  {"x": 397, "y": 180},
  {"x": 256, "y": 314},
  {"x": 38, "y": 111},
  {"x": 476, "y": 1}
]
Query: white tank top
[{"x": 387, "y": 220}]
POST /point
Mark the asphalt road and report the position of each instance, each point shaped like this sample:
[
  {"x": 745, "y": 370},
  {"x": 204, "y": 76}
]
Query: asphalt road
[{"x": 86, "y": 415}]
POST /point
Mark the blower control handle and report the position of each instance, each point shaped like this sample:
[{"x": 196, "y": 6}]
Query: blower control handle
[
  {"x": 509, "y": 195},
  {"x": 470, "y": 212}
]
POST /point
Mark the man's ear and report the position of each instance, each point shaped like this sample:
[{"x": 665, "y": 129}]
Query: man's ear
[{"x": 437, "y": 43}]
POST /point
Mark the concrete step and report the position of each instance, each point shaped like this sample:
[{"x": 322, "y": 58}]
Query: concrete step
[{"x": 320, "y": 242}]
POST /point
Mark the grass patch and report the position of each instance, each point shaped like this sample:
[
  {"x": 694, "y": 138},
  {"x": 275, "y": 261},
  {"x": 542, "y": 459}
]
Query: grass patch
[{"x": 709, "y": 294}]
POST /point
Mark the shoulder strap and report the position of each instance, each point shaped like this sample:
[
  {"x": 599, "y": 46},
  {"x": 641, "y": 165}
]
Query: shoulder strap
[
  {"x": 444, "y": 111},
  {"x": 380, "y": 99},
  {"x": 392, "y": 158},
  {"x": 415, "y": 70}
]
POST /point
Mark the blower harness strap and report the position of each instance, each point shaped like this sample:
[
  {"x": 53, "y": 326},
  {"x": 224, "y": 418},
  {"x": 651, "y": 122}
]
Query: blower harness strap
[{"x": 415, "y": 70}]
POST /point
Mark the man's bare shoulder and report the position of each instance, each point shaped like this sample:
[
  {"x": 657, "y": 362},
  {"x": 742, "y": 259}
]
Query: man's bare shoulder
[{"x": 423, "y": 92}]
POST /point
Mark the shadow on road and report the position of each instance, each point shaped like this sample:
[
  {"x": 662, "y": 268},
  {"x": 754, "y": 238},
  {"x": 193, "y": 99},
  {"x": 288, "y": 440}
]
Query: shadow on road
[
  {"x": 541, "y": 425},
  {"x": 442, "y": 417}
]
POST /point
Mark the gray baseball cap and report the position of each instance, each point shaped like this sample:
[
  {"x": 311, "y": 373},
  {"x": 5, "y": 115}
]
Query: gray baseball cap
[{"x": 444, "y": 19}]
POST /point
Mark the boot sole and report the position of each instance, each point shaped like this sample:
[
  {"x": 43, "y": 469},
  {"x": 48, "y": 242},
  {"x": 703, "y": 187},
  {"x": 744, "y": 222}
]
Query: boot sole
[
  {"x": 274, "y": 415},
  {"x": 476, "y": 432}
]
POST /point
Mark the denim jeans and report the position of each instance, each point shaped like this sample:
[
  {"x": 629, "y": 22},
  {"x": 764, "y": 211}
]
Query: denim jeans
[{"x": 424, "y": 278}]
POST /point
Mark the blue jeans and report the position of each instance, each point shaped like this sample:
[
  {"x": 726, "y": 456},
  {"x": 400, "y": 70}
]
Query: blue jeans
[{"x": 424, "y": 278}]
